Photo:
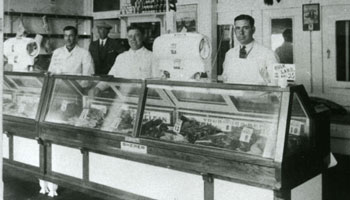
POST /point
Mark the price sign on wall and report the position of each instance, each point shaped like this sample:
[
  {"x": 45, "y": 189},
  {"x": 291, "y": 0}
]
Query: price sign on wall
[{"x": 286, "y": 71}]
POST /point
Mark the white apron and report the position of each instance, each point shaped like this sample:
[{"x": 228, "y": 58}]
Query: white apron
[{"x": 243, "y": 71}]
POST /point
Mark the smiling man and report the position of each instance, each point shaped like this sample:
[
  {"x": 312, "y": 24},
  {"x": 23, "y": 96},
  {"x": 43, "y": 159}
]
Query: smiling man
[
  {"x": 137, "y": 62},
  {"x": 71, "y": 59},
  {"x": 248, "y": 62}
]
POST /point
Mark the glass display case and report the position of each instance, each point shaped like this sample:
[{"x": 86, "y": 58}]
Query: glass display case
[
  {"x": 21, "y": 94},
  {"x": 23, "y": 98},
  {"x": 243, "y": 119},
  {"x": 262, "y": 136},
  {"x": 74, "y": 102}
]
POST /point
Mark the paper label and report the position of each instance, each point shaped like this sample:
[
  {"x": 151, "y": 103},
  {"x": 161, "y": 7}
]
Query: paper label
[
  {"x": 246, "y": 135},
  {"x": 116, "y": 122},
  {"x": 132, "y": 147},
  {"x": 173, "y": 48},
  {"x": 177, "y": 64},
  {"x": 64, "y": 105},
  {"x": 284, "y": 71},
  {"x": 226, "y": 124},
  {"x": 177, "y": 126},
  {"x": 295, "y": 127}
]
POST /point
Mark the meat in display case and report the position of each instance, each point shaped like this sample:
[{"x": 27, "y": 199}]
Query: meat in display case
[
  {"x": 114, "y": 110},
  {"x": 21, "y": 95}
]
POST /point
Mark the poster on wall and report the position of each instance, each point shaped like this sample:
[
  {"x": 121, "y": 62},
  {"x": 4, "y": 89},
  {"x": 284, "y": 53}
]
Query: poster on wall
[
  {"x": 186, "y": 18},
  {"x": 311, "y": 17}
]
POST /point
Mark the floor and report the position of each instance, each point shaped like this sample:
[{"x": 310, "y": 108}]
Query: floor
[
  {"x": 336, "y": 180},
  {"x": 28, "y": 189}
]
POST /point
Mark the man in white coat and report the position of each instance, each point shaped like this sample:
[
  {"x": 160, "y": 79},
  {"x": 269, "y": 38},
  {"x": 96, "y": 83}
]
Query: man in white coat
[
  {"x": 248, "y": 62},
  {"x": 71, "y": 59}
]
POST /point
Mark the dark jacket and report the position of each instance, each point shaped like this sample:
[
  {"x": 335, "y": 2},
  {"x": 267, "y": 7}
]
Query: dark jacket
[{"x": 104, "y": 57}]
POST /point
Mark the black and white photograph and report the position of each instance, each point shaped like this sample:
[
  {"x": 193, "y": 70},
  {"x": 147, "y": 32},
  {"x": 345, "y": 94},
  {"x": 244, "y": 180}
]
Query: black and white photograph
[{"x": 175, "y": 100}]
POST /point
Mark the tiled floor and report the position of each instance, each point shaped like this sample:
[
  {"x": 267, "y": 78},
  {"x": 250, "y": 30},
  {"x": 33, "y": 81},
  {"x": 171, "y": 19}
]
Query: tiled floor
[{"x": 337, "y": 186}]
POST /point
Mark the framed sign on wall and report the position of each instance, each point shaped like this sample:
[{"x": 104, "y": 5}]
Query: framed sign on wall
[
  {"x": 186, "y": 18},
  {"x": 311, "y": 17}
]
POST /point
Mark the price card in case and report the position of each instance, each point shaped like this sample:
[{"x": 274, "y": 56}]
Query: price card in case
[
  {"x": 177, "y": 126},
  {"x": 246, "y": 135},
  {"x": 116, "y": 122},
  {"x": 64, "y": 105},
  {"x": 295, "y": 127}
]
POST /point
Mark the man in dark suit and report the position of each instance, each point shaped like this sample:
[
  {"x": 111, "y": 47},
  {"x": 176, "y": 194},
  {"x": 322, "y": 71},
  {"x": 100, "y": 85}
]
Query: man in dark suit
[{"x": 104, "y": 50}]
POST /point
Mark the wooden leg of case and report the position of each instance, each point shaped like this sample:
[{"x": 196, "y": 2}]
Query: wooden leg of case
[{"x": 208, "y": 187}]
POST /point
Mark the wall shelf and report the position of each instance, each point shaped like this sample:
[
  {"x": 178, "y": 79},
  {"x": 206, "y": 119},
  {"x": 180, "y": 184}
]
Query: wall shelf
[
  {"x": 59, "y": 36},
  {"x": 25, "y": 14},
  {"x": 143, "y": 15}
]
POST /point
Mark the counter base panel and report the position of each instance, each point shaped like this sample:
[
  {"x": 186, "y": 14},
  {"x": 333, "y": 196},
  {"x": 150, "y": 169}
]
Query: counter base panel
[
  {"x": 67, "y": 161},
  {"x": 142, "y": 179},
  {"x": 26, "y": 151},
  {"x": 225, "y": 190}
]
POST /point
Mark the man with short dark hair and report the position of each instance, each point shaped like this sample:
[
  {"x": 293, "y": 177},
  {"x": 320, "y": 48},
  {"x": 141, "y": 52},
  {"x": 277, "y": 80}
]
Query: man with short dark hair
[
  {"x": 104, "y": 50},
  {"x": 248, "y": 62},
  {"x": 71, "y": 59},
  {"x": 137, "y": 62}
]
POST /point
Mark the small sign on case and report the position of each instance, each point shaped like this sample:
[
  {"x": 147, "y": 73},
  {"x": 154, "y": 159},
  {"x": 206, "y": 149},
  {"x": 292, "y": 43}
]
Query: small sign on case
[{"x": 132, "y": 147}]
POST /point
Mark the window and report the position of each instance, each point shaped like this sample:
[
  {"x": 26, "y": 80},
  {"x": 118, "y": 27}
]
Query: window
[
  {"x": 225, "y": 42},
  {"x": 282, "y": 39},
  {"x": 343, "y": 50}
]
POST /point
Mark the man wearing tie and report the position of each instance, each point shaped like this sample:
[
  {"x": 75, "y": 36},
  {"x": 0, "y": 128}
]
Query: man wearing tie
[
  {"x": 248, "y": 62},
  {"x": 104, "y": 50}
]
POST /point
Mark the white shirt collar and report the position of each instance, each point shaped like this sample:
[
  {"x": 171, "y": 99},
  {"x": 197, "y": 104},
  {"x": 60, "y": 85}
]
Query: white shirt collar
[
  {"x": 103, "y": 41},
  {"x": 66, "y": 49},
  {"x": 138, "y": 50},
  {"x": 249, "y": 46}
]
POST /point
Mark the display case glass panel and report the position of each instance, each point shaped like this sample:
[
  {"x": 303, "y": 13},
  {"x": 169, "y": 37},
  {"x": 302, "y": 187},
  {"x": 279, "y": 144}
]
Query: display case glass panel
[
  {"x": 114, "y": 109},
  {"x": 237, "y": 120},
  {"x": 299, "y": 127},
  {"x": 21, "y": 95}
]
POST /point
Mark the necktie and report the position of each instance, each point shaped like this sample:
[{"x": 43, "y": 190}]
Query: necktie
[
  {"x": 102, "y": 43},
  {"x": 242, "y": 52}
]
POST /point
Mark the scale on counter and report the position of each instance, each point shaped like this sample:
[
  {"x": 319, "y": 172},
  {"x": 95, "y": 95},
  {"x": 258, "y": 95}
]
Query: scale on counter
[
  {"x": 21, "y": 52},
  {"x": 182, "y": 56}
]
